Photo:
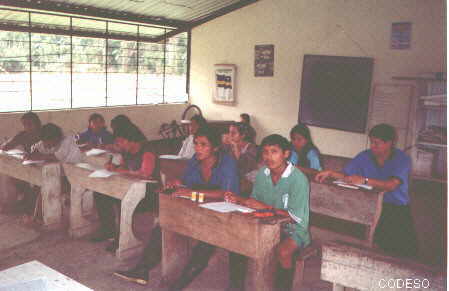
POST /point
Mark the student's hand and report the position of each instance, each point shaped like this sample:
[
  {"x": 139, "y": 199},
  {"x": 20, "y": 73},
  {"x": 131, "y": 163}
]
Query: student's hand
[
  {"x": 323, "y": 175},
  {"x": 172, "y": 184},
  {"x": 110, "y": 167},
  {"x": 232, "y": 198},
  {"x": 354, "y": 179}
]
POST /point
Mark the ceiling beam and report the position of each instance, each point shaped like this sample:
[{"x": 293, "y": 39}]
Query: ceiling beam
[
  {"x": 90, "y": 11},
  {"x": 213, "y": 15}
]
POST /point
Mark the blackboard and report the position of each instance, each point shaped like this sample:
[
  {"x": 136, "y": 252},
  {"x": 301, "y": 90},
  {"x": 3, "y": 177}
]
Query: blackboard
[{"x": 335, "y": 92}]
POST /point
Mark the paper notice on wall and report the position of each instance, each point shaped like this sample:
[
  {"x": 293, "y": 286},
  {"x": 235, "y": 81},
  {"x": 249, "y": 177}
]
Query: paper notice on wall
[{"x": 391, "y": 104}]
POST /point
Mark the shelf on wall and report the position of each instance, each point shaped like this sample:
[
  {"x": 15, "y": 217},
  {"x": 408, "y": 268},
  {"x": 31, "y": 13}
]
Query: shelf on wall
[{"x": 438, "y": 145}]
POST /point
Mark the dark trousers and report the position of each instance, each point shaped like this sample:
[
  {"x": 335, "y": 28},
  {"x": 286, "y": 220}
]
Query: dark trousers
[
  {"x": 395, "y": 233},
  {"x": 152, "y": 253},
  {"x": 107, "y": 207}
]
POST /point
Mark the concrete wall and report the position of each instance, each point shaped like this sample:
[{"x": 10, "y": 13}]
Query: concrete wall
[
  {"x": 148, "y": 117},
  {"x": 298, "y": 27}
]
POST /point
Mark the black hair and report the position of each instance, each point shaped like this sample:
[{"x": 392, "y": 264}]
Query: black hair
[
  {"x": 199, "y": 119},
  {"x": 33, "y": 117},
  {"x": 120, "y": 120},
  {"x": 95, "y": 116},
  {"x": 130, "y": 132},
  {"x": 51, "y": 131},
  {"x": 245, "y": 117},
  {"x": 276, "y": 139},
  {"x": 212, "y": 135},
  {"x": 384, "y": 132},
  {"x": 246, "y": 130},
  {"x": 303, "y": 130}
]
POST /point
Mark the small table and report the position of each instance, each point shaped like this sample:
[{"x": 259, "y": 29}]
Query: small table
[
  {"x": 35, "y": 272},
  {"x": 182, "y": 219}
]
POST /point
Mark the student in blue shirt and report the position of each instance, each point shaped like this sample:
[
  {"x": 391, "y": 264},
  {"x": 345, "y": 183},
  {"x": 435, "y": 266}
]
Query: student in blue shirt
[
  {"x": 96, "y": 134},
  {"x": 387, "y": 168},
  {"x": 214, "y": 173},
  {"x": 305, "y": 155}
]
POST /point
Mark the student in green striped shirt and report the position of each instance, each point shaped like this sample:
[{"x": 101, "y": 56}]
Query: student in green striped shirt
[{"x": 285, "y": 189}]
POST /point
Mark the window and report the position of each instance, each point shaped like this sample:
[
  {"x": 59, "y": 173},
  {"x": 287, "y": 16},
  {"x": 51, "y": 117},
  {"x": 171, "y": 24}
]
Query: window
[{"x": 70, "y": 62}]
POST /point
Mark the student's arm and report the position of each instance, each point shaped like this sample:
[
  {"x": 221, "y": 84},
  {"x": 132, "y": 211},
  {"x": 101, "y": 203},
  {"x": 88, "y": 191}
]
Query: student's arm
[
  {"x": 146, "y": 168},
  {"x": 37, "y": 156},
  {"x": 323, "y": 175},
  {"x": 14, "y": 142},
  {"x": 314, "y": 160}
]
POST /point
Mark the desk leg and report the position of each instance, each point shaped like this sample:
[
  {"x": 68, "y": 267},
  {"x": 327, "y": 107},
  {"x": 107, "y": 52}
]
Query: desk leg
[
  {"x": 175, "y": 255},
  {"x": 79, "y": 225},
  {"x": 52, "y": 196},
  {"x": 129, "y": 245},
  {"x": 261, "y": 273}
]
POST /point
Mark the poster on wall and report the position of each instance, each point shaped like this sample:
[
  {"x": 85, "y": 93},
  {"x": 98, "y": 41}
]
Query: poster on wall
[
  {"x": 264, "y": 60},
  {"x": 224, "y": 84},
  {"x": 401, "y": 35}
]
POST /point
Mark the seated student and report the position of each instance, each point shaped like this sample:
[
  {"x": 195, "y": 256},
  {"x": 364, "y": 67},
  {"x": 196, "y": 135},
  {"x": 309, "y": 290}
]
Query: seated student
[
  {"x": 245, "y": 118},
  {"x": 29, "y": 136},
  {"x": 139, "y": 161},
  {"x": 281, "y": 186},
  {"x": 387, "y": 168},
  {"x": 54, "y": 146},
  {"x": 188, "y": 150},
  {"x": 305, "y": 155},
  {"x": 96, "y": 134},
  {"x": 241, "y": 146},
  {"x": 214, "y": 173},
  {"x": 24, "y": 139}
]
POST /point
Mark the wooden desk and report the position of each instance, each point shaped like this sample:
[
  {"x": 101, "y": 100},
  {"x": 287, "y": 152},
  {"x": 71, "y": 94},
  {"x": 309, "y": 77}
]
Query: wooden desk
[
  {"x": 181, "y": 219},
  {"x": 366, "y": 269},
  {"x": 357, "y": 206},
  {"x": 130, "y": 191},
  {"x": 48, "y": 177}
]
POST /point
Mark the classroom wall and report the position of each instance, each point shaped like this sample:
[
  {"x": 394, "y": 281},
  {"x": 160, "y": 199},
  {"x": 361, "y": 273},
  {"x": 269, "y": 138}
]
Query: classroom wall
[
  {"x": 298, "y": 27},
  {"x": 148, "y": 117}
]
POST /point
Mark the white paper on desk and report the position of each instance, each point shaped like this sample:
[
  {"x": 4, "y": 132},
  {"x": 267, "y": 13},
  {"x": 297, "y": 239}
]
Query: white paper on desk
[
  {"x": 170, "y": 157},
  {"x": 15, "y": 152},
  {"x": 150, "y": 181},
  {"x": 86, "y": 166},
  {"x": 95, "y": 152},
  {"x": 226, "y": 207},
  {"x": 38, "y": 284},
  {"x": 102, "y": 173},
  {"x": 31, "y": 162},
  {"x": 367, "y": 187},
  {"x": 18, "y": 156}
]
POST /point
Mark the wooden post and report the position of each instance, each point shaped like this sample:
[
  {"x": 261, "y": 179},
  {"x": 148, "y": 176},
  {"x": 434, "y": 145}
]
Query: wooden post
[
  {"x": 79, "y": 224},
  {"x": 129, "y": 245},
  {"x": 175, "y": 255},
  {"x": 51, "y": 196}
]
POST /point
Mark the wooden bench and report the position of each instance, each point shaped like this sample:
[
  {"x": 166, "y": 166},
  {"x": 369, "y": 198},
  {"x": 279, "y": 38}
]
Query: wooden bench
[
  {"x": 349, "y": 266},
  {"x": 47, "y": 176},
  {"x": 358, "y": 206},
  {"x": 129, "y": 190}
]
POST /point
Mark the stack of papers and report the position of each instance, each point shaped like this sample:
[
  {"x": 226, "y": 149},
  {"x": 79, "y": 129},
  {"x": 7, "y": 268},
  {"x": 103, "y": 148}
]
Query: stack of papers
[
  {"x": 95, "y": 152},
  {"x": 352, "y": 186},
  {"x": 15, "y": 152},
  {"x": 31, "y": 162},
  {"x": 225, "y": 207},
  {"x": 86, "y": 166},
  {"x": 170, "y": 157},
  {"x": 102, "y": 173}
]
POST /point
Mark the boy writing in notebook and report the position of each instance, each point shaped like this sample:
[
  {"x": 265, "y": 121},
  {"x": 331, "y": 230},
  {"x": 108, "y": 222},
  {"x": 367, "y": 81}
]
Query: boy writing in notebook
[{"x": 285, "y": 189}]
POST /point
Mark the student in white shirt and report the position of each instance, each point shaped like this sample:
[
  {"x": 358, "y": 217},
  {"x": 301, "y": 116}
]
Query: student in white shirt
[
  {"x": 188, "y": 148},
  {"x": 54, "y": 146}
]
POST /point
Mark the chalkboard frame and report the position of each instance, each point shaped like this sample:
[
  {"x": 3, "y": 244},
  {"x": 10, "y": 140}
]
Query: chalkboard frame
[{"x": 346, "y": 110}]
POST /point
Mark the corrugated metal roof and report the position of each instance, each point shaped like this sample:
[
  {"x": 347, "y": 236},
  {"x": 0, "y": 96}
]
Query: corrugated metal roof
[{"x": 183, "y": 10}]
